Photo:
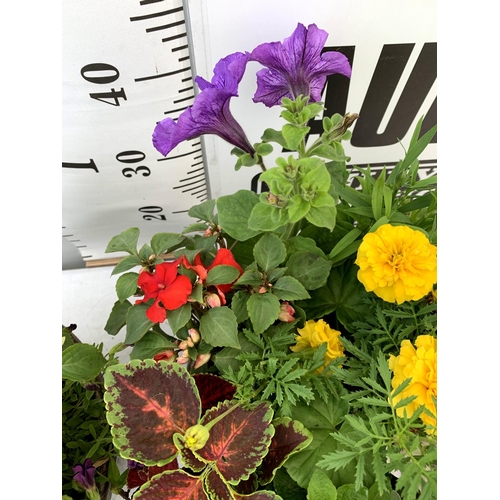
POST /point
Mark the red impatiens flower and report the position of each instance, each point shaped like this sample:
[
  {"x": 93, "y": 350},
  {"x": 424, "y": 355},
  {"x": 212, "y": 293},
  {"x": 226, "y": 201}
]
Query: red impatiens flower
[
  {"x": 224, "y": 257},
  {"x": 169, "y": 289}
]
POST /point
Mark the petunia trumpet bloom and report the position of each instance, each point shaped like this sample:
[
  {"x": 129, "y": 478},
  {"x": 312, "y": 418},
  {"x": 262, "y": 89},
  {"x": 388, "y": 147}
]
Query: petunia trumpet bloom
[
  {"x": 84, "y": 474},
  {"x": 169, "y": 289},
  {"x": 296, "y": 66},
  {"x": 210, "y": 113}
]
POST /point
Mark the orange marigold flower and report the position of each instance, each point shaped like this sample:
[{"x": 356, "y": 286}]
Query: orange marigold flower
[
  {"x": 397, "y": 263},
  {"x": 420, "y": 364}
]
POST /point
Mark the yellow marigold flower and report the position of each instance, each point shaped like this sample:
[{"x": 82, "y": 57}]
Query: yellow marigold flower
[
  {"x": 420, "y": 364},
  {"x": 397, "y": 263},
  {"x": 316, "y": 333}
]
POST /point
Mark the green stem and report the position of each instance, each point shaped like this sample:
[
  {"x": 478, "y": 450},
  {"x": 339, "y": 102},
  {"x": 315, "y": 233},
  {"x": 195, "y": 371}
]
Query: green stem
[
  {"x": 288, "y": 231},
  {"x": 261, "y": 163}
]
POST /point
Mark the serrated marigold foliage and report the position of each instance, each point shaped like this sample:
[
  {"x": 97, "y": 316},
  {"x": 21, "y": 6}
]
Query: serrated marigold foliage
[
  {"x": 169, "y": 289},
  {"x": 316, "y": 333},
  {"x": 419, "y": 363},
  {"x": 397, "y": 263}
]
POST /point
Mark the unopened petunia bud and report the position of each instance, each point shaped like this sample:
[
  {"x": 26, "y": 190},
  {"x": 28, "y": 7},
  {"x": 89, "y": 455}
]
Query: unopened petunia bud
[
  {"x": 286, "y": 313},
  {"x": 262, "y": 289},
  {"x": 194, "y": 334},
  {"x": 201, "y": 360},
  {"x": 212, "y": 300}
]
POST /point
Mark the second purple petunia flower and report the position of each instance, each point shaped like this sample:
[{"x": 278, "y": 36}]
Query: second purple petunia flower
[
  {"x": 296, "y": 66},
  {"x": 210, "y": 112}
]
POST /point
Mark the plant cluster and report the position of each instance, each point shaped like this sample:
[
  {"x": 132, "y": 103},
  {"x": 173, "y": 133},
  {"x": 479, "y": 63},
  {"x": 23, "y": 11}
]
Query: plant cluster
[{"x": 283, "y": 345}]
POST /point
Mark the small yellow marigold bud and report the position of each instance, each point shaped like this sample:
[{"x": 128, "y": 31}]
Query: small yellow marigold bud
[{"x": 196, "y": 437}]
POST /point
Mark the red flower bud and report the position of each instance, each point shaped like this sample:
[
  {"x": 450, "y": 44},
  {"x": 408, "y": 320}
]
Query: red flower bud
[
  {"x": 286, "y": 313},
  {"x": 164, "y": 355},
  {"x": 202, "y": 359}
]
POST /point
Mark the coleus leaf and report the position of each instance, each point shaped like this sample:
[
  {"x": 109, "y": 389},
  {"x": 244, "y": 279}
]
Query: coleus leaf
[
  {"x": 147, "y": 403},
  {"x": 188, "y": 458},
  {"x": 218, "y": 489},
  {"x": 290, "y": 437},
  {"x": 213, "y": 389},
  {"x": 138, "y": 476},
  {"x": 239, "y": 441},
  {"x": 174, "y": 485}
]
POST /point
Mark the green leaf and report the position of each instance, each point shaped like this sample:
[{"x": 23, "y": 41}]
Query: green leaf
[
  {"x": 289, "y": 288},
  {"x": 151, "y": 344},
  {"x": 263, "y": 309},
  {"x": 179, "y": 317},
  {"x": 349, "y": 238},
  {"x": 269, "y": 252},
  {"x": 118, "y": 317},
  {"x": 82, "y": 362},
  {"x": 149, "y": 392},
  {"x": 222, "y": 275},
  {"x": 137, "y": 323},
  {"x": 250, "y": 277},
  {"x": 271, "y": 135},
  {"x": 321, "y": 487},
  {"x": 128, "y": 262},
  {"x": 297, "y": 208},
  {"x": 264, "y": 217},
  {"x": 294, "y": 135},
  {"x": 263, "y": 149},
  {"x": 203, "y": 211},
  {"x": 310, "y": 269},
  {"x": 234, "y": 213},
  {"x": 124, "y": 242},
  {"x": 321, "y": 418},
  {"x": 348, "y": 492},
  {"x": 378, "y": 195},
  {"x": 219, "y": 327},
  {"x": 322, "y": 216},
  {"x": 163, "y": 242},
  {"x": 239, "y": 305},
  {"x": 126, "y": 285}
]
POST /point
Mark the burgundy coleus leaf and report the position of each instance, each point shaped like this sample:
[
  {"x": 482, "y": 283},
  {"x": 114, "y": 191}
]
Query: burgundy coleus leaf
[
  {"x": 258, "y": 495},
  {"x": 188, "y": 458},
  {"x": 138, "y": 476},
  {"x": 174, "y": 485},
  {"x": 218, "y": 489},
  {"x": 213, "y": 390},
  {"x": 239, "y": 441},
  {"x": 147, "y": 402},
  {"x": 290, "y": 437}
]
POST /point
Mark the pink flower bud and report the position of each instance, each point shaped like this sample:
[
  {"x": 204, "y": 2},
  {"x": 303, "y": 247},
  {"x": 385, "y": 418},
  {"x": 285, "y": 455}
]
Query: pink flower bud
[
  {"x": 202, "y": 359},
  {"x": 286, "y": 313},
  {"x": 183, "y": 345},
  {"x": 212, "y": 300},
  {"x": 194, "y": 334},
  {"x": 183, "y": 358},
  {"x": 262, "y": 289}
]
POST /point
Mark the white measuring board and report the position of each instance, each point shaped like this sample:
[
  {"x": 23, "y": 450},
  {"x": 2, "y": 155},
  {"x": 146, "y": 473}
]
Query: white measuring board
[{"x": 129, "y": 64}]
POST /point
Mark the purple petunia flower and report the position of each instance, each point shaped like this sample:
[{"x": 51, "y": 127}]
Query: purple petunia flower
[
  {"x": 210, "y": 112},
  {"x": 296, "y": 66},
  {"x": 84, "y": 474}
]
